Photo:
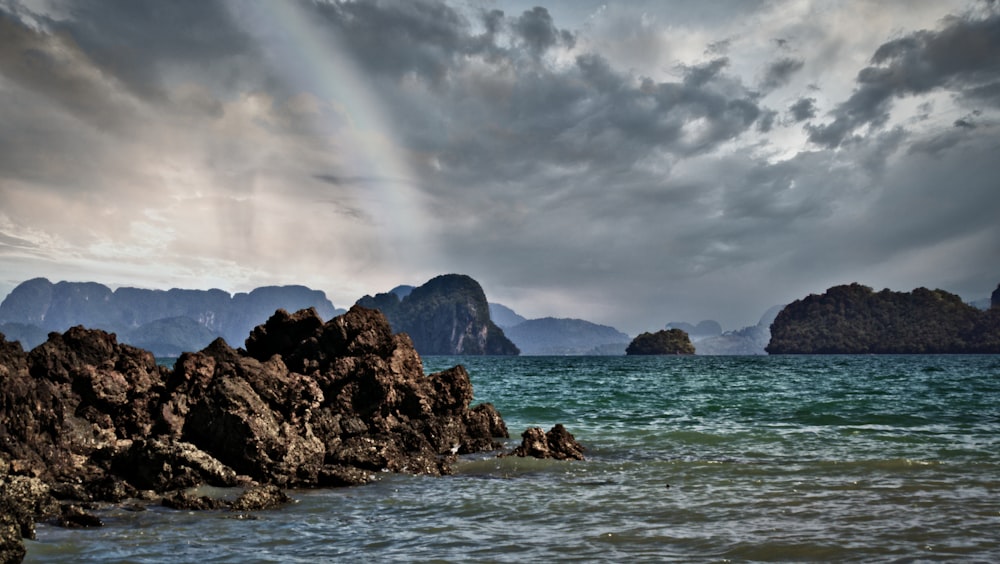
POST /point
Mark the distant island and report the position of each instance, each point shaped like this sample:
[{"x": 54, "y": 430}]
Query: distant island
[
  {"x": 448, "y": 315},
  {"x": 664, "y": 342},
  {"x": 854, "y": 319}
]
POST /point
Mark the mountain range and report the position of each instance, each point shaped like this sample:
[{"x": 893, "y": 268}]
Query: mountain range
[
  {"x": 447, "y": 315},
  {"x": 166, "y": 322}
]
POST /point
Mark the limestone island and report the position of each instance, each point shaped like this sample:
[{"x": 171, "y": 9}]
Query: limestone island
[{"x": 664, "y": 342}]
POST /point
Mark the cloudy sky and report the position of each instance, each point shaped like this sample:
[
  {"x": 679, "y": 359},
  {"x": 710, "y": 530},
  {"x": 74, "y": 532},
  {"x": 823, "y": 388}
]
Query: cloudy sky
[{"x": 629, "y": 163}]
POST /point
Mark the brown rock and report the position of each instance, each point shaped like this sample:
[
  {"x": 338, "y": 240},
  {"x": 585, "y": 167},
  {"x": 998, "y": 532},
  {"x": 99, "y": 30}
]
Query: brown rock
[
  {"x": 558, "y": 444},
  {"x": 308, "y": 404},
  {"x": 258, "y": 498}
]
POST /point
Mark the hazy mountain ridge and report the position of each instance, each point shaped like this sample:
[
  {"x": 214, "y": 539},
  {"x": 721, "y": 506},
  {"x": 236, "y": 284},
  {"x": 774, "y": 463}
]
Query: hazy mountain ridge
[
  {"x": 560, "y": 336},
  {"x": 165, "y": 322}
]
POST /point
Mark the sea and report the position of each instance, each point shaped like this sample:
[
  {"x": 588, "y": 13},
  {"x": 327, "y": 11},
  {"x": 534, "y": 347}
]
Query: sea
[{"x": 689, "y": 459}]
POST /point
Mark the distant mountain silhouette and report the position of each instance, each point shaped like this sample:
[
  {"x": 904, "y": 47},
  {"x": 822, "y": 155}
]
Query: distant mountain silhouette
[
  {"x": 449, "y": 315},
  {"x": 505, "y": 317},
  {"x": 552, "y": 336},
  {"x": 703, "y": 330},
  {"x": 165, "y": 322},
  {"x": 749, "y": 340}
]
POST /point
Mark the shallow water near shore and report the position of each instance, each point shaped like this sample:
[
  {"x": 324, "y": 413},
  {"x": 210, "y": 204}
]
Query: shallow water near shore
[{"x": 865, "y": 458}]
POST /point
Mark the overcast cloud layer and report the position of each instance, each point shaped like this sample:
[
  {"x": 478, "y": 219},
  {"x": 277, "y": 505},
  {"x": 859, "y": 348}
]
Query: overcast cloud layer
[{"x": 626, "y": 163}]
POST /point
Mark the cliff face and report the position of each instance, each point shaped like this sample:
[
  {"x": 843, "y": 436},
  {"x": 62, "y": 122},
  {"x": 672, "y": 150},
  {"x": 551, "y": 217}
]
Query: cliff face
[
  {"x": 448, "y": 315},
  {"x": 852, "y": 319},
  {"x": 165, "y": 322}
]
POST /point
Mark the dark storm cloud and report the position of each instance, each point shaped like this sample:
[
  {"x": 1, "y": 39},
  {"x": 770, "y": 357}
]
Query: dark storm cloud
[
  {"x": 961, "y": 57},
  {"x": 536, "y": 29},
  {"x": 803, "y": 109},
  {"x": 395, "y": 38},
  {"x": 48, "y": 67},
  {"x": 779, "y": 72},
  {"x": 136, "y": 41}
]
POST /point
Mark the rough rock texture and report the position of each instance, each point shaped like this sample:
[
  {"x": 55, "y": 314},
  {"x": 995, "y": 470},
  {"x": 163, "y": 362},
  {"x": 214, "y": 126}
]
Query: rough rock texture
[
  {"x": 258, "y": 498},
  {"x": 307, "y": 404},
  {"x": 558, "y": 443},
  {"x": 23, "y": 500}
]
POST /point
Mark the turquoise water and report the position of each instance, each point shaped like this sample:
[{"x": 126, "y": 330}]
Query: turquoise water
[{"x": 823, "y": 458}]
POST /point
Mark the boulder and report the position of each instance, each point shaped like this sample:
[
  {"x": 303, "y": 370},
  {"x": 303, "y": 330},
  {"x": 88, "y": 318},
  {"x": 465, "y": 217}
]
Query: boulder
[{"x": 558, "y": 444}]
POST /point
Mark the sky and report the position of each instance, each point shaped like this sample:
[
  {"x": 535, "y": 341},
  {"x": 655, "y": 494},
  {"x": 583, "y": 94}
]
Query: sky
[{"x": 628, "y": 163}]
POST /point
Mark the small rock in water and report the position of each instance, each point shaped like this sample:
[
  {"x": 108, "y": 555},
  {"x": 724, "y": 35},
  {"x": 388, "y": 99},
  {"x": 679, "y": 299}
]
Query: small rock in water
[
  {"x": 74, "y": 517},
  {"x": 558, "y": 444}
]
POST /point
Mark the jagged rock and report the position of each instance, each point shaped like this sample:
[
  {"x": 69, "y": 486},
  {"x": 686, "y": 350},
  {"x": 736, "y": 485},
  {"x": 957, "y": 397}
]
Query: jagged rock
[
  {"x": 258, "y": 498},
  {"x": 308, "y": 404},
  {"x": 76, "y": 394},
  {"x": 558, "y": 443}
]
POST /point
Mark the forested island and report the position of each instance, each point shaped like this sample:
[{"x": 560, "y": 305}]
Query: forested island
[
  {"x": 854, "y": 319},
  {"x": 667, "y": 341}
]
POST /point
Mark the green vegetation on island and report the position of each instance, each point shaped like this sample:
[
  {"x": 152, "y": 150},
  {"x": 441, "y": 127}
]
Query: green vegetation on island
[
  {"x": 668, "y": 341},
  {"x": 853, "y": 319}
]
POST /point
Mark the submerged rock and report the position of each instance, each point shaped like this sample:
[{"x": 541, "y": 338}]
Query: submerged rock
[{"x": 558, "y": 444}]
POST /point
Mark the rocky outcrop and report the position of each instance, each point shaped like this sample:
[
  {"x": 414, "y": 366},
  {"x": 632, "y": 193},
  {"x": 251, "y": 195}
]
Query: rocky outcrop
[
  {"x": 449, "y": 315},
  {"x": 307, "y": 404},
  {"x": 664, "y": 342},
  {"x": 558, "y": 444}
]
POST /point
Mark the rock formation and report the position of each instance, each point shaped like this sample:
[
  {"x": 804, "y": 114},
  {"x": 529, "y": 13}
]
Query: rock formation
[
  {"x": 449, "y": 315},
  {"x": 995, "y": 298},
  {"x": 307, "y": 404},
  {"x": 664, "y": 342}
]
